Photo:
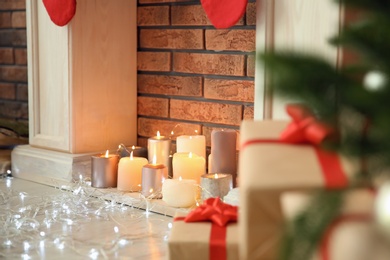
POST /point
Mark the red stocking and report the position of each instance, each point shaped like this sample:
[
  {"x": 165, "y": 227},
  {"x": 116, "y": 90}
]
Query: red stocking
[
  {"x": 224, "y": 13},
  {"x": 60, "y": 11}
]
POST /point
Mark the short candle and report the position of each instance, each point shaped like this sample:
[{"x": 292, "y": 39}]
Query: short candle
[
  {"x": 179, "y": 193},
  {"x": 215, "y": 185},
  {"x": 152, "y": 178},
  {"x": 130, "y": 173},
  {"x": 104, "y": 170}
]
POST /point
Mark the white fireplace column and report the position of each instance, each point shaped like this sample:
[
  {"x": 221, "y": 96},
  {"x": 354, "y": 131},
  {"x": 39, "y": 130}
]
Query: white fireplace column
[{"x": 82, "y": 88}]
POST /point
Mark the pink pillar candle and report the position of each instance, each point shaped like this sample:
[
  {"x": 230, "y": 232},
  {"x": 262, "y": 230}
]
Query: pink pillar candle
[
  {"x": 104, "y": 170},
  {"x": 223, "y": 152},
  {"x": 152, "y": 178}
]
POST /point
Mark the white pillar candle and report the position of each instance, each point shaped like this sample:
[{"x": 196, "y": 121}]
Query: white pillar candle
[
  {"x": 179, "y": 193},
  {"x": 215, "y": 185},
  {"x": 104, "y": 170},
  {"x": 159, "y": 147},
  {"x": 191, "y": 143},
  {"x": 130, "y": 173},
  {"x": 188, "y": 166}
]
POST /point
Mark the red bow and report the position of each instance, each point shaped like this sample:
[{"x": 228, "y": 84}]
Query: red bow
[
  {"x": 214, "y": 210},
  {"x": 304, "y": 128}
]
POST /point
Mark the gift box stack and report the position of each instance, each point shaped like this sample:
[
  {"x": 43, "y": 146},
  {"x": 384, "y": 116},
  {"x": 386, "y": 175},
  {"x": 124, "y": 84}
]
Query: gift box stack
[{"x": 272, "y": 169}]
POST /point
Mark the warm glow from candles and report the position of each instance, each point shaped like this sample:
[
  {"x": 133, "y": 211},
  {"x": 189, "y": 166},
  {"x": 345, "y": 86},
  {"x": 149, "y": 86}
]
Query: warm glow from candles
[
  {"x": 133, "y": 147},
  {"x": 190, "y": 155},
  {"x": 131, "y": 155},
  {"x": 154, "y": 161},
  {"x": 215, "y": 176},
  {"x": 106, "y": 155},
  {"x": 158, "y": 133}
]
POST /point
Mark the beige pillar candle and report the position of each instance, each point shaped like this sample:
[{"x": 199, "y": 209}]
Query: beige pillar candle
[
  {"x": 179, "y": 193},
  {"x": 130, "y": 173},
  {"x": 159, "y": 147},
  {"x": 104, "y": 170},
  {"x": 215, "y": 185},
  {"x": 191, "y": 143},
  {"x": 188, "y": 166}
]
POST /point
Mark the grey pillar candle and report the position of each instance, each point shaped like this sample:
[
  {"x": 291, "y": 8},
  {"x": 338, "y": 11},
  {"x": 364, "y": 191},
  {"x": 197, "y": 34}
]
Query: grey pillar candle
[
  {"x": 104, "y": 170},
  {"x": 159, "y": 149},
  {"x": 152, "y": 178},
  {"x": 223, "y": 152},
  {"x": 215, "y": 185}
]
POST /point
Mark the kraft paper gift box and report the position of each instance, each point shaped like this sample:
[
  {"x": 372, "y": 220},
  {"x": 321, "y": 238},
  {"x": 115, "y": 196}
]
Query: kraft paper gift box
[
  {"x": 353, "y": 235},
  {"x": 192, "y": 240},
  {"x": 268, "y": 167}
]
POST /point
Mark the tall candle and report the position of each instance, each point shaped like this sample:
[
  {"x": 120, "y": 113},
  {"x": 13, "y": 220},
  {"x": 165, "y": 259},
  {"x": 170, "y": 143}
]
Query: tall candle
[
  {"x": 130, "y": 173},
  {"x": 191, "y": 143},
  {"x": 104, "y": 170},
  {"x": 215, "y": 185},
  {"x": 152, "y": 178},
  {"x": 179, "y": 193},
  {"x": 188, "y": 166},
  {"x": 138, "y": 151},
  {"x": 159, "y": 147},
  {"x": 223, "y": 152}
]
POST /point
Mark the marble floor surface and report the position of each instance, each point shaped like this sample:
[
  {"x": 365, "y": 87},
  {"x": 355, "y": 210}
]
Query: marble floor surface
[{"x": 45, "y": 222}]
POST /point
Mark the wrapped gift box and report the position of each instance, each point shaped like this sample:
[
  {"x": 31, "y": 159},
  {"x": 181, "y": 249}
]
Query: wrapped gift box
[
  {"x": 268, "y": 167},
  {"x": 353, "y": 235},
  {"x": 192, "y": 240}
]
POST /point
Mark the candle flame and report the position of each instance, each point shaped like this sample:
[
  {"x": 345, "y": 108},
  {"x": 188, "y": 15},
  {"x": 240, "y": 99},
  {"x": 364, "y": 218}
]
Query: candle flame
[
  {"x": 190, "y": 155},
  {"x": 216, "y": 176},
  {"x": 180, "y": 178},
  {"x": 154, "y": 160},
  {"x": 158, "y": 133},
  {"x": 133, "y": 147},
  {"x": 131, "y": 155},
  {"x": 106, "y": 155}
]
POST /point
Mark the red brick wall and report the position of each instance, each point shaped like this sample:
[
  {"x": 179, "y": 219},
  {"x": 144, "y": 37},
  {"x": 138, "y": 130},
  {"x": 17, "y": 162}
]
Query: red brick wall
[
  {"x": 191, "y": 74},
  {"x": 13, "y": 60}
]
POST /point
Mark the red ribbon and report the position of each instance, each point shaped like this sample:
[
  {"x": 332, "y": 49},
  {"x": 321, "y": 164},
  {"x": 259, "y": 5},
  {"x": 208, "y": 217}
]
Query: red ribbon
[
  {"x": 304, "y": 129},
  {"x": 219, "y": 214},
  {"x": 324, "y": 246}
]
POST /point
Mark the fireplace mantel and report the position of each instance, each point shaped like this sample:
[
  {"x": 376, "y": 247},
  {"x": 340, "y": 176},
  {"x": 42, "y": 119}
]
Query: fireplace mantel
[{"x": 82, "y": 87}]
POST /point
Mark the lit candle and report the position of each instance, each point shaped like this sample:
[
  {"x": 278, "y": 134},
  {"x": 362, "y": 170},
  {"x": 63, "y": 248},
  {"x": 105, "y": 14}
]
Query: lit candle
[
  {"x": 179, "y": 193},
  {"x": 159, "y": 147},
  {"x": 104, "y": 170},
  {"x": 152, "y": 177},
  {"x": 188, "y": 166},
  {"x": 138, "y": 151},
  {"x": 215, "y": 185},
  {"x": 223, "y": 152},
  {"x": 130, "y": 173},
  {"x": 191, "y": 143}
]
